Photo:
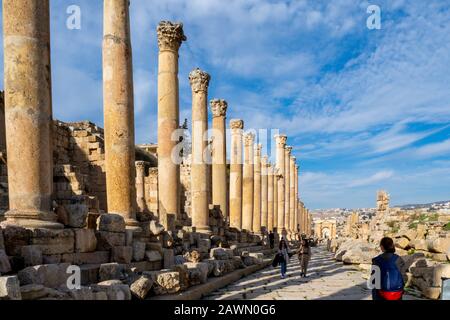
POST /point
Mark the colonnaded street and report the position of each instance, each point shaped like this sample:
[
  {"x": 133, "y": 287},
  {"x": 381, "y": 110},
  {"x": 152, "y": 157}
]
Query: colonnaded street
[{"x": 327, "y": 280}]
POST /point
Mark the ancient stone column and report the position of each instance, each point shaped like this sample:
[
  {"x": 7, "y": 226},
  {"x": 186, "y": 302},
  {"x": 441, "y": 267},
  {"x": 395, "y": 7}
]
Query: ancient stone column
[
  {"x": 292, "y": 198},
  {"x": 219, "y": 156},
  {"x": 118, "y": 109},
  {"x": 170, "y": 37},
  {"x": 140, "y": 186},
  {"x": 257, "y": 189},
  {"x": 276, "y": 178},
  {"x": 236, "y": 174},
  {"x": 247, "y": 187},
  {"x": 270, "y": 202},
  {"x": 281, "y": 144},
  {"x": 297, "y": 219},
  {"x": 199, "y": 81},
  {"x": 287, "y": 188},
  {"x": 28, "y": 113},
  {"x": 264, "y": 193}
]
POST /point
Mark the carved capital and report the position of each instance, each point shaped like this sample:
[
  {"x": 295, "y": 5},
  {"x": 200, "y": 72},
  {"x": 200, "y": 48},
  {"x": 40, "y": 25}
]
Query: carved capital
[
  {"x": 140, "y": 167},
  {"x": 218, "y": 107},
  {"x": 237, "y": 124},
  {"x": 249, "y": 138},
  {"x": 170, "y": 35},
  {"x": 281, "y": 140},
  {"x": 199, "y": 80},
  {"x": 288, "y": 150}
]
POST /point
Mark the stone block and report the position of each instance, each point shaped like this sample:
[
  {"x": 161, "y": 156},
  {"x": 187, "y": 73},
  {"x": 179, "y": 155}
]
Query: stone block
[
  {"x": 5, "y": 266},
  {"x": 15, "y": 238},
  {"x": 32, "y": 255},
  {"x": 107, "y": 240},
  {"x": 169, "y": 258},
  {"x": 48, "y": 275},
  {"x": 154, "y": 246},
  {"x": 10, "y": 288},
  {"x": 54, "y": 241},
  {"x": 80, "y": 258},
  {"x": 402, "y": 243},
  {"x": 2, "y": 241},
  {"x": 439, "y": 245},
  {"x": 141, "y": 287},
  {"x": 152, "y": 228},
  {"x": 183, "y": 274},
  {"x": 122, "y": 254},
  {"x": 77, "y": 214},
  {"x": 221, "y": 253},
  {"x": 203, "y": 245},
  {"x": 198, "y": 272},
  {"x": 115, "y": 290},
  {"x": 52, "y": 259},
  {"x": 258, "y": 256},
  {"x": 138, "y": 250},
  {"x": 152, "y": 255},
  {"x": 165, "y": 282},
  {"x": 113, "y": 271},
  {"x": 111, "y": 223},
  {"x": 89, "y": 273},
  {"x": 33, "y": 292},
  {"x": 85, "y": 240},
  {"x": 419, "y": 244}
]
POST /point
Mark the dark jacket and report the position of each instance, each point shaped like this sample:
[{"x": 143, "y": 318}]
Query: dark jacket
[{"x": 400, "y": 263}]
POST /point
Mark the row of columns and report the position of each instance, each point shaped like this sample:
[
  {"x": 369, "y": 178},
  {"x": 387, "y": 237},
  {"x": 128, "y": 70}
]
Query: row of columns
[{"x": 261, "y": 195}]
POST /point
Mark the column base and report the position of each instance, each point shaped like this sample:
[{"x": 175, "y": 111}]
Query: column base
[
  {"x": 32, "y": 219},
  {"x": 204, "y": 229},
  {"x": 133, "y": 225}
]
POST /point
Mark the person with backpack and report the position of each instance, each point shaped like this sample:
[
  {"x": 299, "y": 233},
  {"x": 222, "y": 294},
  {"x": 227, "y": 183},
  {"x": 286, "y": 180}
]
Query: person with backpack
[
  {"x": 391, "y": 272},
  {"x": 283, "y": 251},
  {"x": 304, "y": 255}
]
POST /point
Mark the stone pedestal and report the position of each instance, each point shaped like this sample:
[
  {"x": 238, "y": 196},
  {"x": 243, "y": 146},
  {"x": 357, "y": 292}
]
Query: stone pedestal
[
  {"x": 118, "y": 108},
  {"x": 170, "y": 37},
  {"x": 236, "y": 174},
  {"x": 219, "y": 157},
  {"x": 280, "y": 164},
  {"x": 199, "y": 81},
  {"x": 28, "y": 113},
  {"x": 257, "y": 190},
  {"x": 264, "y": 193},
  {"x": 247, "y": 187}
]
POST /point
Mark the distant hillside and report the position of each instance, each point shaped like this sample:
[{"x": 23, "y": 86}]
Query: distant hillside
[{"x": 425, "y": 205}]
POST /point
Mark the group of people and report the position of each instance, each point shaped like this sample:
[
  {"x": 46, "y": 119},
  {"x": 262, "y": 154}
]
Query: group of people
[{"x": 388, "y": 268}]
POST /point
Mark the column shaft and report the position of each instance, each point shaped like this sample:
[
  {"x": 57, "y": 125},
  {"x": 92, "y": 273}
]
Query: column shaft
[
  {"x": 247, "y": 188},
  {"x": 292, "y": 195},
  {"x": 287, "y": 188},
  {"x": 140, "y": 186},
  {"x": 270, "y": 199},
  {"x": 28, "y": 113},
  {"x": 281, "y": 143},
  {"x": 264, "y": 193},
  {"x": 236, "y": 174},
  {"x": 257, "y": 190}
]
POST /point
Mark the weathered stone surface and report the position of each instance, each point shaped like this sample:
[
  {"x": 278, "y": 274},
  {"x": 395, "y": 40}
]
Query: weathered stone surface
[
  {"x": 138, "y": 250},
  {"x": 2, "y": 241},
  {"x": 5, "y": 266},
  {"x": 165, "y": 282},
  {"x": 15, "y": 238},
  {"x": 10, "y": 288},
  {"x": 141, "y": 287},
  {"x": 97, "y": 257},
  {"x": 179, "y": 259},
  {"x": 77, "y": 215},
  {"x": 48, "y": 275},
  {"x": 85, "y": 240},
  {"x": 32, "y": 255},
  {"x": 154, "y": 228},
  {"x": 52, "y": 259},
  {"x": 107, "y": 240},
  {"x": 115, "y": 290},
  {"x": 33, "y": 291},
  {"x": 402, "y": 243},
  {"x": 111, "y": 223},
  {"x": 203, "y": 245},
  {"x": 113, "y": 271},
  {"x": 54, "y": 241},
  {"x": 169, "y": 258},
  {"x": 221, "y": 267},
  {"x": 153, "y": 256},
  {"x": 122, "y": 254},
  {"x": 439, "y": 245},
  {"x": 193, "y": 256},
  {"x": 259, "y": 257},
  {"x": 238, "y": 263},
  {"x": 419, "y": 244},
  {"x": 221, "y": 253},
  {"x": 198, "y": 272},
  {"x": 183, "y": 274}
]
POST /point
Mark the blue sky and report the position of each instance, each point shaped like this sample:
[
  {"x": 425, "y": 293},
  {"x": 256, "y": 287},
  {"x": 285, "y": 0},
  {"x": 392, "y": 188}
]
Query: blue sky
[{"x": 364, "y": 109}]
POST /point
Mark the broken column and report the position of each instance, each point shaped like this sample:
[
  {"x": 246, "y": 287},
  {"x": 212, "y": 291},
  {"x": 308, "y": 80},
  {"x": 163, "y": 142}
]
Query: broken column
[
  {"x": 287, "y": 188},
  {"x": 236, "y": 174},
  {"x": 281, "y": 144},
  {"x": 219, "y": 156},
  {"x": 199, "y": 81},
  {"x": 28, "y": 113},
  {"x": 264, "y": 193},
  {"x": 170, "y": 37},
  {"x": 292, "y": 196},
  {"x": 140, "y": 186},
  {"x": 270, "y": 194},
  {"x": 119, "y": 111},
  {"x": 257, "y": 189},
  {"x": 247, "y": 187}
]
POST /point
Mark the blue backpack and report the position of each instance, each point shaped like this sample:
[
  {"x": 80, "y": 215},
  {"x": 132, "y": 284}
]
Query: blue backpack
[{"x": 391, "y": 277}]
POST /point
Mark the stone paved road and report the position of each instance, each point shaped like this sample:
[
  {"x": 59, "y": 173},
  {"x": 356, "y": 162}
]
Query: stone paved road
[{"x": 327, "y": 280}]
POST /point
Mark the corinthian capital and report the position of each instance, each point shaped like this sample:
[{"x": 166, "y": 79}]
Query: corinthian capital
[
  {"x": 288, "y": 150},
  {"x": 199, "y": 80},
  {"x": 281, "y": 140},
  {"x": 218, "y": 107},
  {"x": 258, "y": 148},
  {"x": 249, "y": 138},
  {"x": 237, "y": 124},
  {"x": 170, "y": 35}
]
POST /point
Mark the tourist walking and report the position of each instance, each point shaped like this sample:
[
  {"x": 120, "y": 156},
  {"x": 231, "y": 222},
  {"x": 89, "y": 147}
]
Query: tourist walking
[
  {"x": 304, "y": 255},
  {"x": 283, "y": 250},
  {"x": 391, "y": 273}
]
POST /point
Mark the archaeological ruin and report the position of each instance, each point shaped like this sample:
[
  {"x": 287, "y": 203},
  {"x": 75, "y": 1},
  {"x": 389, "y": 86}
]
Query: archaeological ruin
[{"x": 134, "y": 221}]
